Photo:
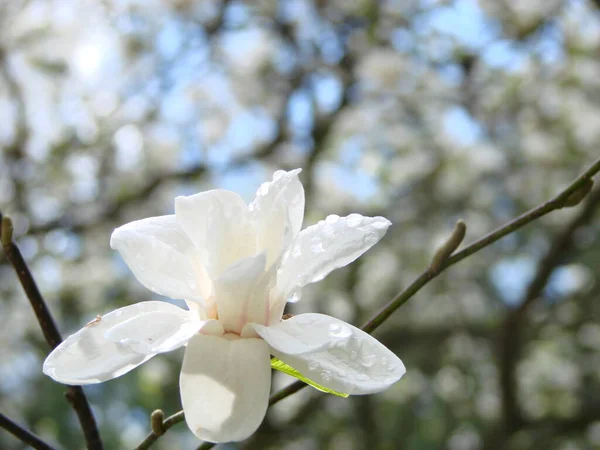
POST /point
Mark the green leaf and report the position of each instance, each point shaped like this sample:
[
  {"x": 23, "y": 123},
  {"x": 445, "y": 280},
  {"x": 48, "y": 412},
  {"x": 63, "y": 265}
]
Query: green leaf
[{"x": 277, "y": 364}]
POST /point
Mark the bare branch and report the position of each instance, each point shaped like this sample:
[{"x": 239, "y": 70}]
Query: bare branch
[
  {"x": 511, "y": 333},
  {"x": 74, "y": 394},
  {"x": 23, "y": 434}
]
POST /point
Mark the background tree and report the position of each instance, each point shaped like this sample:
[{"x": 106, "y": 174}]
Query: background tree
[{"x": 424, "y": 112}]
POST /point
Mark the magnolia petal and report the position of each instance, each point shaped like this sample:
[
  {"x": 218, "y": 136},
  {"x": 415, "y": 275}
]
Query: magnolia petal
[
  {"x": 111, "y": 345},
  {"x": 278, "y": 211},
  {"x": 352, "y": 361},
  {"x": 219, "y": 224},
  {"x": 158, "y": 253},
  {"x": 301, "y": 334},
  {"x": 326, "y": 246},
  {"x": 236, "y": 288},
  {"x": 224, "y": 387}
]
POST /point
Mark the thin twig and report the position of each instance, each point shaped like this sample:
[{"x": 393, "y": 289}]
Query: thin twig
[
  {"x": 511, "y": 333},
  {"x": 23, "y": 434},
  {"x": 74, "y": 394},
  {"x": 557, "y": 202},
  {"x": 167, "y": 423}
]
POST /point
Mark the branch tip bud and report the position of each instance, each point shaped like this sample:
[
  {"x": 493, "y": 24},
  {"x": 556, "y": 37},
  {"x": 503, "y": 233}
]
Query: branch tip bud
[
  {"x": 446, "y": 250},
  {"x": 157, "y": 422}
]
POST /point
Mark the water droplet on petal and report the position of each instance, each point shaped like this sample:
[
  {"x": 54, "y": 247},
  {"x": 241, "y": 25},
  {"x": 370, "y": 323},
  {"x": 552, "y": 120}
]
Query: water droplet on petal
[
  {"x": 297, "y": 295},
  {"x": 384, "y": 361},
  {"x": 368, "y": 360},
  {"x": 135, "y": 346},
  {"x": 263, "y": 189},
  {"x": 326, "y": 375},
  {"x": 331, "y": 219},
  {"x": 313, "y": 365},
  {"x": 354, "y": 220},
  {"x": 379, "y": 223},
  {"x": 317, "y": 248},
  {"x": 339, "y": 331},
  {"x": 362, "y": 377}
]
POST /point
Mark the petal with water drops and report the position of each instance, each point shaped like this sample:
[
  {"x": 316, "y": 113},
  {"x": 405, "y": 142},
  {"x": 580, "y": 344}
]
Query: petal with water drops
[
  {"x": 330, "y": 244},
  {"x": 112, "y": 345},
  {"x": 352, "y": 361}
]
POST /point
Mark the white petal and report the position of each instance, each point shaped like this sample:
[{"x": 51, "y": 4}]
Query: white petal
[
  {"x": 326, "y": 246},
  {"x": 159, "y": 254},
  {"x": 278, "y": 211},
  {"x": 224, "y": 387},
  {"x": 351, "y": 361},
  {"x": 219, "y": 224},
  {"x": 112, "y": 345},
  {"x": 241, "y": 294}
]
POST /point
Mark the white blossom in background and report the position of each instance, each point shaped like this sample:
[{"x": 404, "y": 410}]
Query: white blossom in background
[{"x": 236, "y": 265}]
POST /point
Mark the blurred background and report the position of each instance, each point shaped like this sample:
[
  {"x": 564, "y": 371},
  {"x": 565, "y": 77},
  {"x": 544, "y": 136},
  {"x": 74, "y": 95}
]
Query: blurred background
[{"x": 423, "y": 111}]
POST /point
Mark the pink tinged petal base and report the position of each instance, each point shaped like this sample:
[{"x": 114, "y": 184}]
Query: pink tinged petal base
[
  {"x": 225, "y": 386},
  {"x": 330, "y": 244},
  {"x": 112, "y": 345},
  {"x": 159, "y": 254},
  {"x": 333, "y": 353}
]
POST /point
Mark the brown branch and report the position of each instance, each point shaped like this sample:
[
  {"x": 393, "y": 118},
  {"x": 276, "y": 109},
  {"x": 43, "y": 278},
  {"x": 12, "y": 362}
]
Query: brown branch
[
  {"x": 74, "y": 394},
  {"x": 166, "y": 424},
  {"x": 511, "y": 333},
  {"x": 23, "y": 434}
]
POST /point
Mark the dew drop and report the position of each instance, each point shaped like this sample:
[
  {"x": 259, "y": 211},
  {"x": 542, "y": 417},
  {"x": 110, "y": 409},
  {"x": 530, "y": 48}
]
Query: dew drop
[
  {"x": 339, "y": 331},
  {"x": 368, "y": 361},
  {"x": 263, "y": 189},
  {"x": 317, "y": 248},
  {"x": 384, "y": 361},
  {"x": 295, "y": 297},
  {"x": 354, "y": 220},
  {"x": 326, "y": 375},
  {"x": 380, "y": 223},
  {"x": 313, "y": 365},
  {"x": 341, "y": 373},
  {"x": 362, "y": 377},
  {"x": 135, "y": 346},
  {"x": 332, "y": 219}
]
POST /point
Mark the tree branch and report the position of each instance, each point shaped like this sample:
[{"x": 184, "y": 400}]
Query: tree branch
[
  {"x": 563, "y": 199},
  {"x": 511, "y": 333},
  {"x": 23, "y": 434},
  {"x": 74, "y": 394},
  {"x": 167, "y": 423}
]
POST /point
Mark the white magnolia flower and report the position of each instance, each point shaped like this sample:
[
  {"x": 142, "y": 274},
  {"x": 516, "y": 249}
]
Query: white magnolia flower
[{"x": 236, "y": 265}]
